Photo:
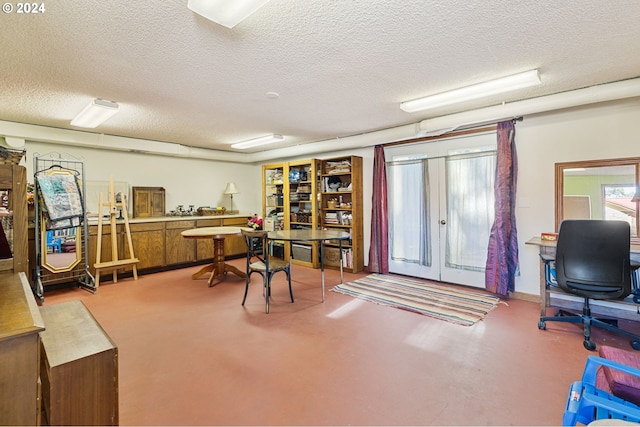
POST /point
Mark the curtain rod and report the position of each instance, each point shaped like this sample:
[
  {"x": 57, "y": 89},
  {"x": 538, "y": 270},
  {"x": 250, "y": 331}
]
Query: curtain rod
[{"x": 481, "y": 128}]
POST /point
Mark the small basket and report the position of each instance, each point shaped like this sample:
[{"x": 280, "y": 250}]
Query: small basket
[
  {"x": 303, "y": 217},
  {"x": 10, "y": 157},
  {"x": 211, "y": 212}
]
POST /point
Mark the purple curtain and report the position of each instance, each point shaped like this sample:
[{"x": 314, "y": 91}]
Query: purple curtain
[
  {"x": 379, "y": 247},
  {"x": 502, "y": 257}
]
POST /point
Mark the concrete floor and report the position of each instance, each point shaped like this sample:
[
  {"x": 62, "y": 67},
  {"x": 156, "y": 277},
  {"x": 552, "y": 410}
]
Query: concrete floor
[{"x": 192, "y": 355}]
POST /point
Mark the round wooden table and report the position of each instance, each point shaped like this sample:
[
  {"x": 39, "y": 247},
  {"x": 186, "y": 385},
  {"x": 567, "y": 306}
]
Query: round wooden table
[{"x": 218, "y": 266}]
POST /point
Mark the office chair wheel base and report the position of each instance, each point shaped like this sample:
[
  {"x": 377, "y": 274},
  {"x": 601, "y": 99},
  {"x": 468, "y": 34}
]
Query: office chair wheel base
[
  {"x": 635, "y": 344},
  {"x": 589, "y": 345},
  {"x": 542, "y": 325}
]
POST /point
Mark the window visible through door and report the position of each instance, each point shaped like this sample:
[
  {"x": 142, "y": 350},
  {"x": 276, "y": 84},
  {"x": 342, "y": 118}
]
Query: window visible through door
[{"x": 441, "y": 209}]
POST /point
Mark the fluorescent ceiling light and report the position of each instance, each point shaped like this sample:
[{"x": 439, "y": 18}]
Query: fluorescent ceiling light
[
  {"x": 263, "y": 140},
  {"x": 492, "y": 87},
  {"x": 226, "y": 12},
  {"x": 96, "y": 113}
]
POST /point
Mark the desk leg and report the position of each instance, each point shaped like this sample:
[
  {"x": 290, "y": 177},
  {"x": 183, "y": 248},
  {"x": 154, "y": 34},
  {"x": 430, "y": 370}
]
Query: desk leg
[
  {"x": 341, "y": 276},
  {"x": 322, "y": 266},
  {"x": 544, "y": 295}
]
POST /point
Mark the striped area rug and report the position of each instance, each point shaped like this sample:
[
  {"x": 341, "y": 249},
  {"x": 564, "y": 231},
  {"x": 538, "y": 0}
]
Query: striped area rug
[{"x": 453, "y": 305}]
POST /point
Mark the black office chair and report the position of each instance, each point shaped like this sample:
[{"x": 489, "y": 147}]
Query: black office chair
[
  {"x": 592, "y": 261},
  {"x": 258, "y": 261}
]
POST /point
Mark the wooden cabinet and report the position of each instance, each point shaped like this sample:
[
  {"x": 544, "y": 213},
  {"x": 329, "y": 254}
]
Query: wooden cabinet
[
  {"x": 79, "y": 368},
  {"x": 204, "y": 247},
  {"x": 178, "y": 249},
  {"x": 20, "y": 324},
  {"x": 148, "y": 244},
  {"x": 106, "y": 245},
  {"x": 13, "y": 236},
  {"x": 341, "y": 201},
  {"x": 148, "y": 202},
  {"x": 158, "y": 244},
  {"x": 234, "y": 245}
]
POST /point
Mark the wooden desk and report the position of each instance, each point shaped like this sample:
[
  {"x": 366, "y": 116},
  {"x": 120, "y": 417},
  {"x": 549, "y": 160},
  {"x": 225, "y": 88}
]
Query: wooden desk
[
  {"x": 309, "y": 235},
  {"x": 20, "y": 324},
  {"x": 556, "y": 297},
  {"x": 218, "y": 266}
]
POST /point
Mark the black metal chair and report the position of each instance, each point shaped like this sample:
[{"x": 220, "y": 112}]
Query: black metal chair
[
  {"x": 258, "y": 261},
  {"x": 592, "y": 261}
]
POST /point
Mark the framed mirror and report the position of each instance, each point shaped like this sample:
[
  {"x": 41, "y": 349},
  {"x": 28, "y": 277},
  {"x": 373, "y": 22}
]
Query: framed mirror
[
  {"x": 61, "y": 249},
  {"x": 599, "y": 189},
  {"x": 60, "y": 239}
]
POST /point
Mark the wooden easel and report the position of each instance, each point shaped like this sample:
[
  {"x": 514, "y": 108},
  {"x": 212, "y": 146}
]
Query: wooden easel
[{"x": 115, "y": 263}]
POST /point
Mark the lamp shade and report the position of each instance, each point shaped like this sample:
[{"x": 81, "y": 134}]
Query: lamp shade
[{"x": 231, "y": 188}]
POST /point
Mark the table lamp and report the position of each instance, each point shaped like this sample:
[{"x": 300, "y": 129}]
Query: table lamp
[{"x": 231, "y": 190}]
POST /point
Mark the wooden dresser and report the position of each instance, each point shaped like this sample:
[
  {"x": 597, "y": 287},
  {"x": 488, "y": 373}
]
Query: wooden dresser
[
  {"x": 79, "y": 368},
  {"x": 20, "y": 324}
]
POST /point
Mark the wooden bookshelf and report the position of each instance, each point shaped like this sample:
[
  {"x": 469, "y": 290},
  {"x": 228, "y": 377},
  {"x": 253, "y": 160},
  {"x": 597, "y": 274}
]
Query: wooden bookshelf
[{"x": 341, "y": 209}]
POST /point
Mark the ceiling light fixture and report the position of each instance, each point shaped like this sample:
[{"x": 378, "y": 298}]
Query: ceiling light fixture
[
  {"x": 226, "y": 12},
  {"x": 96, "y": 113},
  {"x": 263, "y": 140},
  {"x": 492, "y": 87}
]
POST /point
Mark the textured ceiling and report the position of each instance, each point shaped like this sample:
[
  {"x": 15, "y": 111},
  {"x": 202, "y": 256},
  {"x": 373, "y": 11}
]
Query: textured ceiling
[{"x": 341, "y": 67}]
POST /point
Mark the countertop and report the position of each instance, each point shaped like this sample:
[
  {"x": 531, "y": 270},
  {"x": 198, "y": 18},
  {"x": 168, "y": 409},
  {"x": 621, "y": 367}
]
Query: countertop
[{"x": 94, "y": 220}]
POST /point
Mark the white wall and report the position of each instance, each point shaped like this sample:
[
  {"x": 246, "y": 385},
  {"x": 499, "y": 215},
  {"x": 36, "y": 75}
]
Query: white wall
[
  {"x": 186, "y": 181},
  {"x": 603, "y": 131}
]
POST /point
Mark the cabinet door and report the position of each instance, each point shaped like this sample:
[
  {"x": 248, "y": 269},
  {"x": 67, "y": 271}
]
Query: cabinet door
[
  {"x": 157, "y": 203},
  {"x": 148, "y": 202},
  {"x": 234, "y": 245},
  {"x": 148, "y": 244},
  {"x": 178, "y": 249},
  {"x": 142, "y": 204}
]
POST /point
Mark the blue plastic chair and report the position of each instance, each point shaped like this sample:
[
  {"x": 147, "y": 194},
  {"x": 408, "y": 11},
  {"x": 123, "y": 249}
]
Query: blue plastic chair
[
  {"x": 53, "y": 243},
  {"x": 586, "y": 403}
]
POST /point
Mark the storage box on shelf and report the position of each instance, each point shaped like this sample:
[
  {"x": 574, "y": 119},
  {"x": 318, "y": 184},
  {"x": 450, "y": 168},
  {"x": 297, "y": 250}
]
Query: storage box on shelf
[{"x": 341, "y": 201}]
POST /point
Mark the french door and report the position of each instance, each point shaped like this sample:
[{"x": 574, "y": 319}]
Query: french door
[{"x": 441, "y": 208}]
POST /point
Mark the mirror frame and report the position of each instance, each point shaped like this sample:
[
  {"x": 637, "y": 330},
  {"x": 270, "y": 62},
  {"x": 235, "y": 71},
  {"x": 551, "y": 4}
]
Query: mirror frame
[
  {"x": 73, "y": 264},
  {"x": 559, "y": 172},
  {"x": 43, "y": 239}
]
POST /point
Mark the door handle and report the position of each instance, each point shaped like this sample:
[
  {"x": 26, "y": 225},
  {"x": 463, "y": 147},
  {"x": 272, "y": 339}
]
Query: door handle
[{"x": 443, "y": 222}]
